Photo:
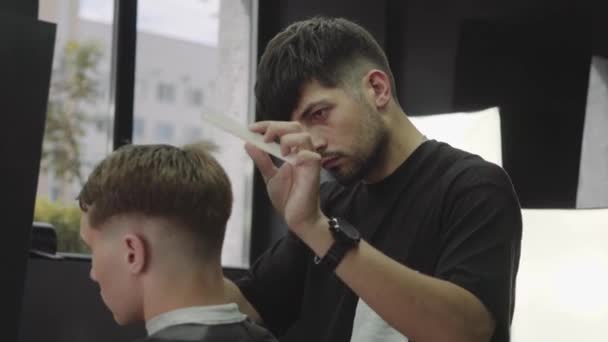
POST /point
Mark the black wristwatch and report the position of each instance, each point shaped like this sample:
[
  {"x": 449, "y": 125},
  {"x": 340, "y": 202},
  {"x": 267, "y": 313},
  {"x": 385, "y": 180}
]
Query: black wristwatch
[{"x": 346, "y": 238}]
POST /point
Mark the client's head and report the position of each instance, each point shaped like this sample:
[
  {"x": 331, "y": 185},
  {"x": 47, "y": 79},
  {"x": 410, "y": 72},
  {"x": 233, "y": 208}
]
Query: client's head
[{"x": 154, "y": 217}]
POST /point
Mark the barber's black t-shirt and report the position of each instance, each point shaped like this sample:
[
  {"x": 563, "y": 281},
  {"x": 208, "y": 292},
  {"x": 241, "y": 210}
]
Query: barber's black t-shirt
[{"x": 444, "y": 212}]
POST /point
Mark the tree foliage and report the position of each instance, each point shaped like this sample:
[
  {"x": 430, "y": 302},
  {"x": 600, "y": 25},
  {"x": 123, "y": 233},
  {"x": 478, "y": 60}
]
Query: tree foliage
[
  {"x": 75, "y": 84},
  {"x": 66, "y": 220}
]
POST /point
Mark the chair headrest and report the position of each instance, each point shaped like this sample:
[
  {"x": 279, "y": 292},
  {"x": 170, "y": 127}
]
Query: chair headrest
[{"x": 44, "y": 240}]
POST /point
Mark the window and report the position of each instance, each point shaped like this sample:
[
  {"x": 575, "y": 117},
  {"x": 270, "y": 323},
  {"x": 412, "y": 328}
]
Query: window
[
  {"x": 164, "y": 133},
  {"x": 77, "y": 111},
  {"x": 141, "y": 88},
  {"x": 192, "y": 134},
  {"x": 195, "y": 97},
  {"x": 138, "y": 128},
  {"x": 54, "y": 193},
  {"x": 165, "y": 92},
  {"x": 101, "y": 123},
  {"x": 211, "y": 42}
]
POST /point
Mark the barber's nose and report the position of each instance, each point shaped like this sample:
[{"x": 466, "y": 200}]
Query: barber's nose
[{"x": 318, "y": 143}]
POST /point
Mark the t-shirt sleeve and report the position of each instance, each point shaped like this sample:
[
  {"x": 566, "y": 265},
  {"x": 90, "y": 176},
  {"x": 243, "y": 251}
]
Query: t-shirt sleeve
[
  {"x": 481, "y": 240},
  {"x": 275, "y": 283}
]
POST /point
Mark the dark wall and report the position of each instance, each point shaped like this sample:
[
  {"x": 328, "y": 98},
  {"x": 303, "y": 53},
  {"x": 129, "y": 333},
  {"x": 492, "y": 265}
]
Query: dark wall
[
  {"x": 536, "y": 69},
  {"x": 431, "y": 34},
  {"x": 26, "y": 8},
  {"x": 370, "y": 14},
  {"x": 599, "y": 27},
  {"x": 26, "y": 55}
]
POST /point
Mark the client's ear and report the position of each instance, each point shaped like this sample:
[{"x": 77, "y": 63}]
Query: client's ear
[{"x": 136, "y": 253}]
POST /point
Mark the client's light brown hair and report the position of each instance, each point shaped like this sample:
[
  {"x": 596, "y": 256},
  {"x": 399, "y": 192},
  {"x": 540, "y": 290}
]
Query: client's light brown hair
[{"x": 185, "y": 185}]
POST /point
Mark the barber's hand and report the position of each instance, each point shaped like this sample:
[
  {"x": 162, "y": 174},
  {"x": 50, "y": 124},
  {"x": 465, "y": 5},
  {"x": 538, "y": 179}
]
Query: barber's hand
[{"x": 293, "y": 189}]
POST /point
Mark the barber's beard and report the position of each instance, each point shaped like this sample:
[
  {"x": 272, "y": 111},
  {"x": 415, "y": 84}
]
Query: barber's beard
[{"x": 369, "y": 147}]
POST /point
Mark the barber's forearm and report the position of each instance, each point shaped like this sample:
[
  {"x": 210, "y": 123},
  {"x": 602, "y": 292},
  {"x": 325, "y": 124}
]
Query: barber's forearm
[{"x": 422, "y": 308}]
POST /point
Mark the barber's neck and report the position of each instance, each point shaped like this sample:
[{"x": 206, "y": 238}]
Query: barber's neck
[
  {"x": 403, "y": 138},
  {"x": 165, "y": 291}
]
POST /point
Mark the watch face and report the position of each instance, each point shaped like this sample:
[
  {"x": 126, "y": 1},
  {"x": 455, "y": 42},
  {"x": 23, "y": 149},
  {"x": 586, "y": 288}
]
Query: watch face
[
  {"x": 350, "y": 231},
  {"x": 347, "y": 230}
]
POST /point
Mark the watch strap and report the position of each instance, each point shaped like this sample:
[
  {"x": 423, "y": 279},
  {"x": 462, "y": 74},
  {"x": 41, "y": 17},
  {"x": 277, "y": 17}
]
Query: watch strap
[{"x": 338, "y": 249}]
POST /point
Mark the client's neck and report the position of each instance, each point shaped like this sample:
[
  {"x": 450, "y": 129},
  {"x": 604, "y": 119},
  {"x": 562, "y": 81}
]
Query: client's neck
[{"x": 168, "y": 291}]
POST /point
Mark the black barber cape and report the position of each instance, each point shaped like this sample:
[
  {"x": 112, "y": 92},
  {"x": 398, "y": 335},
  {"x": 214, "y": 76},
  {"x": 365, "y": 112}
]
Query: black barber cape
[{"x": 245, "y": 331}]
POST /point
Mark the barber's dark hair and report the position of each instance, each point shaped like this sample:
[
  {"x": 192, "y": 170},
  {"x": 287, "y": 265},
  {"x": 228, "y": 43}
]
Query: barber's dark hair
[{"x": 324, "y": 49}]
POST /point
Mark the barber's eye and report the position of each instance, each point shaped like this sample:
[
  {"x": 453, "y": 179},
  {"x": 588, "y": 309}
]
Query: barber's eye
[{"x": 319, "y": 114}]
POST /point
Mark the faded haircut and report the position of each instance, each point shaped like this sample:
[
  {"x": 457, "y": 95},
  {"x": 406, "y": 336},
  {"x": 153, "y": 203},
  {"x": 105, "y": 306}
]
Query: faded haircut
[
  {"x": 332, "y": 51},
  {"x": 186, "y": 186}
]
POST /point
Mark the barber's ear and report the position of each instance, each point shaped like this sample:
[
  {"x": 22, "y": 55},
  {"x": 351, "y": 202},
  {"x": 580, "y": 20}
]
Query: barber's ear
[
  {"x": 137, "y": 253},
  {"x": 379, "y": 86}
]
